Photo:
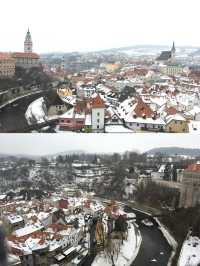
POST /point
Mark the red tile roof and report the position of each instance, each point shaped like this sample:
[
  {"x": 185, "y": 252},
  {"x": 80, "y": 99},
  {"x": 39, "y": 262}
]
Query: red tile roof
[
  {"x": 171, "y": 110},
  {"x": 142, "y": 109},
  {"x": 26, "y": 55},
  {"x": 5, "y": 56},
  {"x": 193, "y": 168},
  {"x": 97, "y": 102}
]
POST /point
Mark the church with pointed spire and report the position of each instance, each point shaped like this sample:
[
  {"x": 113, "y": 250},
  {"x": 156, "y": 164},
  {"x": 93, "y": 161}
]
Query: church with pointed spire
[
  {"x": 28, "y": 44},
  {"x": 168, "y": 56}
]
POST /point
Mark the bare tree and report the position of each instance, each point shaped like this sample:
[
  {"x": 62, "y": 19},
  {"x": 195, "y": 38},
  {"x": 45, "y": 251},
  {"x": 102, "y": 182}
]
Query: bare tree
[{"x": 112, "y": 249}]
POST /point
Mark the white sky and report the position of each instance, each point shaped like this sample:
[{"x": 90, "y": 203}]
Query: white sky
[
  {"x": 43, "y": 144},
  {"x": 82, "y": 25}
]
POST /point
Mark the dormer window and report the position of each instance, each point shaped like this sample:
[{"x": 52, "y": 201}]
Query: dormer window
[
  {"x": 154, "y": 117},
  {"x": 144, "y": 116}
]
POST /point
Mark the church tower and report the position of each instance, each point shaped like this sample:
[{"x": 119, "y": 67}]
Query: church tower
[
  {"x": 173, "y": 51},
  {"x": 28, "y": 45}
]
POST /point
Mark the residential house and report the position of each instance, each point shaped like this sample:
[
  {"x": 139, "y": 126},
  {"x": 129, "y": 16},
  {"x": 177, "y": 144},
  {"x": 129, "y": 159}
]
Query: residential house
[
  {"x": 140, "y": 117},
  {"x": 57, "y": 107},
  {"x": 176, "y": 124}
]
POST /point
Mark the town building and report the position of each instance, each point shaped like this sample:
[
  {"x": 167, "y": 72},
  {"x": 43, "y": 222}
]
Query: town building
[
  {"x": 176, "y": 123},
  {"x": 174, "y": 69},
  {"x": 74, "y": 119},
  {"x": 138, "y": 116},
  {"x": 57, "y": 107},
  {"x": 86, "y": 115},
  {"x": 7, "y": 65},
  {"x": 26, "y": 60},
  {"x": 98, "y": 114}
]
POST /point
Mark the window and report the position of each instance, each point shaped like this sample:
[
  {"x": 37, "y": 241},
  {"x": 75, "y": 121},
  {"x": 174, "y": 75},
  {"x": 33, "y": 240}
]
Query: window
[
  {"x": 97, "y": 120},
  {"x": 97, "y": 126},
  {"x": 98, "y": 114}
]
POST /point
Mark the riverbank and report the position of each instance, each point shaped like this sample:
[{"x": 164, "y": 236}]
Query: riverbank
[
  {"x": 12, "y": 116},
  {"x": 19, "y": 98},
  {"x": 128, "y": 251}
]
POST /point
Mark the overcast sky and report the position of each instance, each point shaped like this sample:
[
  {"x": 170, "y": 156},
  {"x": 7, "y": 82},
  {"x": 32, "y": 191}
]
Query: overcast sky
[
  {"x": 43, "y": 144},
  {"x": 82, "y": 25}
]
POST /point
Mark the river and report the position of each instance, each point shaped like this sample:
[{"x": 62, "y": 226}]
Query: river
[
  {"x": 154, "y": 249},
  {"x": 12, "y": 116}
]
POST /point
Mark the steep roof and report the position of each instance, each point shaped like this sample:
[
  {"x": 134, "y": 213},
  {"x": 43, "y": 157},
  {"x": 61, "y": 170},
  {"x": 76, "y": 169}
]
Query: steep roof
[
  {"x": 171, "y": 110},
  {"x": 97, "y": 102},
  {"x": 164, "y": 56},
  {"x": 176, "y": 117},
  {"x": 143, "y": 109}
]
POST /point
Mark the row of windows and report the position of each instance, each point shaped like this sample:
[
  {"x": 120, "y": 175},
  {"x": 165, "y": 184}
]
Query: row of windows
[
  {"x": 2, "y": 64},
  {"x": 59, "y": 107},
  {"x": 69, "y": 121},
  {"x": 152, "y": 126},
  {"x": 27, "y": 61},
  {"x": 7, "y": 61},
  {"x": 6, "y": 73}
]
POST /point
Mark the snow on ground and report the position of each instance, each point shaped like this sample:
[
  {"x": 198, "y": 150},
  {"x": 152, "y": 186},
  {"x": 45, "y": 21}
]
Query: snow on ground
[
  {"x": 117, "y": 129},
  {"x": 190, "y": 253},
  {"x": 194, "y": 126},
  {"x": 128, "y": 252},
  {"x": 36, "y": 112}
]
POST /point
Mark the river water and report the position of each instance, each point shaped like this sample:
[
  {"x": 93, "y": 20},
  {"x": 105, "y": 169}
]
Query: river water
[
  {"x": 154, "y": 249},
  {"x": 12, "y": 117}
]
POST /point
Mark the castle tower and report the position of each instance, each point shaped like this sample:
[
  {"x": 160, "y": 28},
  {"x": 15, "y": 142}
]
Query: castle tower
[{"x": 28, "y": 45}]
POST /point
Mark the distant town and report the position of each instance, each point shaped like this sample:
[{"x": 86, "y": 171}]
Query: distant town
[
  {"x": 125, "y": 90},
  {"x": 101, "y": 209}
]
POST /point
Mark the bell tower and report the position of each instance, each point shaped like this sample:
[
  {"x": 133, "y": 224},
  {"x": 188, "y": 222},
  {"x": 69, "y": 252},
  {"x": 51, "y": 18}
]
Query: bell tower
[
  {"x": 173, "y": 52},
  {"x": 28, "y": 45}
]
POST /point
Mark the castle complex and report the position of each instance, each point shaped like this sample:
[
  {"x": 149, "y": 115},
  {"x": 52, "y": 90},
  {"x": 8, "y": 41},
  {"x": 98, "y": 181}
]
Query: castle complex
[{"x": 26, "y": 59}]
